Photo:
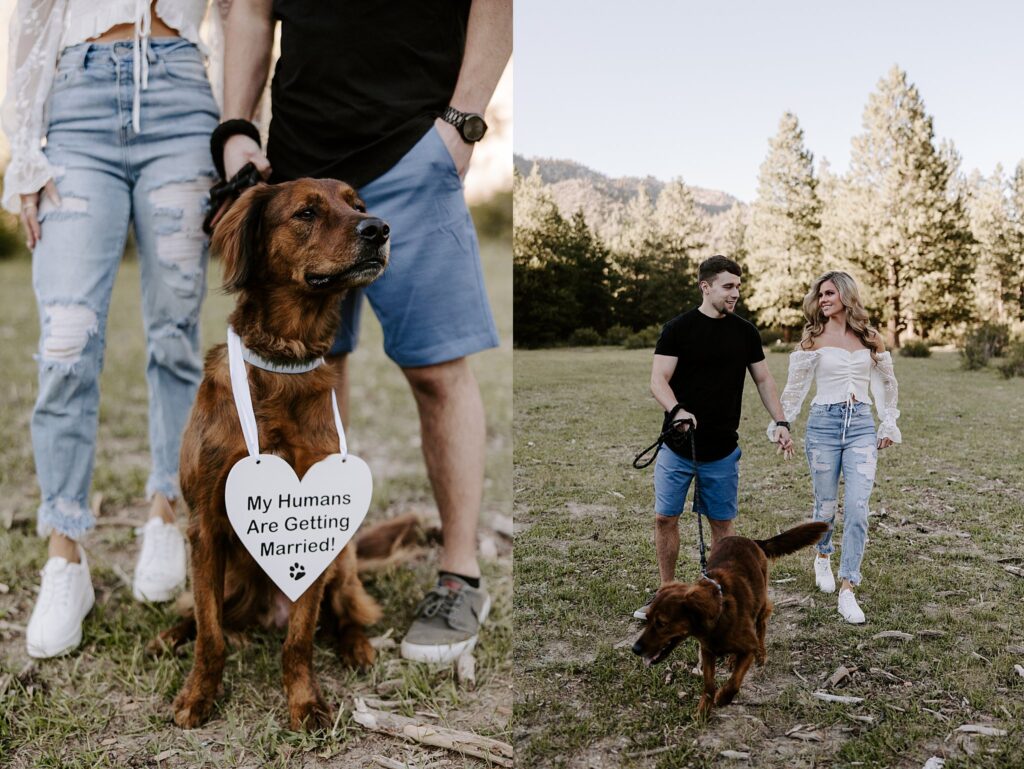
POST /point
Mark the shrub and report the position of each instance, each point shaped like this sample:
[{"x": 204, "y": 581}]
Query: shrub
[
  {"x": 493, "y": 217},
  {"x": 584, "y": 337},
  {"x": 983, "y": 342},
  {"x": 770, "y": 336},
  {"x": 1014, "y": 363},
  {"x": 618, "y": 334},
  {"x": 915, "y": 348},
  {"x": 646, "y": 337}
]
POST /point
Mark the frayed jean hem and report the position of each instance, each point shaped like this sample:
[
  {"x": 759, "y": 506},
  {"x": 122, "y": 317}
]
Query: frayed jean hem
[
  {"x": 70, "y": 517},
  {"x": 166, "y": 485}
]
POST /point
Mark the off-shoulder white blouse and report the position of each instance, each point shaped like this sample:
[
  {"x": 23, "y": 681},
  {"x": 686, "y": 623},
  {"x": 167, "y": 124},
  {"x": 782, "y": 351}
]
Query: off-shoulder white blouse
[
  {"x": 39, "y": 31},
  {"x": 842, "y": 375}
]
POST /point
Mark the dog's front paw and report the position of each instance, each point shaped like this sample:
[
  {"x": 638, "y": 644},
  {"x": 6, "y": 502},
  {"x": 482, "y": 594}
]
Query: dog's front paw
[
  {"x": 355, "y": 650},
  {"x": 191, "y": 709},
  {"x": 311, "y": 715},
  {"x": 705, "y": 704},
  {"x": 724, "y": 696}
]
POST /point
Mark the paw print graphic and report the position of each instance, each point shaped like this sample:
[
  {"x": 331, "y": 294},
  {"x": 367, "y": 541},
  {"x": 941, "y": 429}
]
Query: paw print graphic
[{"x": 296, "y": 571}]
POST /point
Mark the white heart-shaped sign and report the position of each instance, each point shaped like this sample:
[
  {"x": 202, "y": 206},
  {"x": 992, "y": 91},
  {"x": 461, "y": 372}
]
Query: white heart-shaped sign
[{"x": 293, "y": 528}]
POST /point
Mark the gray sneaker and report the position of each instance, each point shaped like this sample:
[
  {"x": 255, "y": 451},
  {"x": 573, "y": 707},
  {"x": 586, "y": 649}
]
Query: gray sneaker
[{"x": 447, "y": 622}]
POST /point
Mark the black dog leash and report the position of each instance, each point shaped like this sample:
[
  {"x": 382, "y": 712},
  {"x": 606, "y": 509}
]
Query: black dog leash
[
  {"x": 700, "y": 523},
  {"x": 658, "y": 444},
  {"x": 656, "y": 447}
]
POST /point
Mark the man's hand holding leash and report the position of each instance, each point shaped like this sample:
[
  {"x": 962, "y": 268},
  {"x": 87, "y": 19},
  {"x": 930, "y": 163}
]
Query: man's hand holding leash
[{"x": 241, "y": 149}]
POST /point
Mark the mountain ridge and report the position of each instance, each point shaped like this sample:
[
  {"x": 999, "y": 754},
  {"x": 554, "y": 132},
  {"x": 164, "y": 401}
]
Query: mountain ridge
[{"x": 564, "y": 176}]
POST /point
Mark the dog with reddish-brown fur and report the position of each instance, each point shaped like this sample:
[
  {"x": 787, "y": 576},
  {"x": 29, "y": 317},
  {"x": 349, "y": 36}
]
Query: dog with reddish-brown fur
[
  {"x": 290, "y": 251},
  {"x": 727, "y": 612}
]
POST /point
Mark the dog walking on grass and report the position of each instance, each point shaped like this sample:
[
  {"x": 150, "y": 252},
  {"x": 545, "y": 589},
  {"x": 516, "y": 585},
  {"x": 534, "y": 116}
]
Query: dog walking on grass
[{"x": 727, "y": 611}]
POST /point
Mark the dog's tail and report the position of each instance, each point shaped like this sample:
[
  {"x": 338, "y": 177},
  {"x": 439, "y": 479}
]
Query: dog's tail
[
  {"x": 794, "y": 539},
  {"x": 390, "y": 542}
]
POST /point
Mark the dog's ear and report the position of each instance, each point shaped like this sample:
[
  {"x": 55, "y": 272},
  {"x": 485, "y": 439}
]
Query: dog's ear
[
  {"x": 238, "y": 237},
  {"x": 689, "y": 602}
]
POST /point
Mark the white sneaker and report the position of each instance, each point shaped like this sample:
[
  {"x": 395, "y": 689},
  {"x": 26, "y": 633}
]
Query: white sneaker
[
  {"x": 65, "y": 597},
  {"x": 160, "y": 571},
  {"x": 849, "y": 609},
  {"x": 823, "y": 574}
]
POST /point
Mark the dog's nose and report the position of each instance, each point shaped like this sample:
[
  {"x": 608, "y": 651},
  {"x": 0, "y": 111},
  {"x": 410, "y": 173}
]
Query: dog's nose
[
  {"x": 637, "y": 648},
  {"x": 374, "y": 230}
]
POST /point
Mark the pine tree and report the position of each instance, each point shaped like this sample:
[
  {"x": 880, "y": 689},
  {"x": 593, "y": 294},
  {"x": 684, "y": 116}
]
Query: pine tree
[
  {"x": 784, "y": 238},
  {"x": 682, "y": 226},
  {"x": 995, "y": 271},
  {"x": 656, "y": 276},
  {"x": 1016, "y": 237},
  {"x": 901, "y": 219},
  {"x": 560, "y": 270},
  {"x": 729, "y": 234}
]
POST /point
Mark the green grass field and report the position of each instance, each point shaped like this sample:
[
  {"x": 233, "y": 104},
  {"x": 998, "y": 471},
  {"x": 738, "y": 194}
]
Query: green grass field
[
  {"x": 109, "y": 705},
  {"x": 947, "y": 520}
]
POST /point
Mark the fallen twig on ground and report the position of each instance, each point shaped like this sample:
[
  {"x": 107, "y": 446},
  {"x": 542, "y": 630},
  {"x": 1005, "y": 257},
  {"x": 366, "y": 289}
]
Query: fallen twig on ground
[
  {"x": 898, "y": 634},
  {"x": 471, "y": 744},
  {"x": 837, "y": 698},
  {"x": 986, "y": 731}
]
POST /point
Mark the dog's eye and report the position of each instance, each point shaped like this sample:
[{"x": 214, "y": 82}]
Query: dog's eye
[
  {"x": 306, "y": 215},
  {"x": 359, "y": 207}
]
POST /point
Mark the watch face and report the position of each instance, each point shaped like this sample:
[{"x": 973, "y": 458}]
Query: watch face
[{"x": 474, "y": 128}]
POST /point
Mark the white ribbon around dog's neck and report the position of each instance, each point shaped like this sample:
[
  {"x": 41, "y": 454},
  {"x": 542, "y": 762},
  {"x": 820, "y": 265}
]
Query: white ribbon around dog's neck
[{"x": 243, "y": 400}]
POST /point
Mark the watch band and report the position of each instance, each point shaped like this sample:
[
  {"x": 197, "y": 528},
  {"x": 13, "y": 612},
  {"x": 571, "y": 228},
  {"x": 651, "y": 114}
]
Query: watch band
[
  {"x": 782, "y": 424},
  {"x": 459, "y": 119}
]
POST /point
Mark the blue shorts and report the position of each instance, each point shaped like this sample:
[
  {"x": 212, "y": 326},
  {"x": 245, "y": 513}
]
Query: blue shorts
[
  {"x": 431, "y": 300},
  {"x": 717, "y": 484}
]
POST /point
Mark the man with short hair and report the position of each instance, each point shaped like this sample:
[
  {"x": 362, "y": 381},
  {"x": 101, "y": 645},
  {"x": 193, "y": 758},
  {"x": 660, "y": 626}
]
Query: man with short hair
[
  {"x": 390, "y": 97},
  {"x": 700, "y": 364}
]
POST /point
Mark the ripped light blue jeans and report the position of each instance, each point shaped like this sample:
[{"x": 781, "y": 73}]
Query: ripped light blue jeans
[
  {"x": 854, "y": 451},
  {"x": 108, "y": 176}
]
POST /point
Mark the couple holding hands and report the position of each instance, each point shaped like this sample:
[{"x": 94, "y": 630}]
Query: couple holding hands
[{"x": 700, "y": 363}]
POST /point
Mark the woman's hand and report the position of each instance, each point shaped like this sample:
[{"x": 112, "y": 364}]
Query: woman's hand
[
  {"x": 785, "y": 442},
  {"x": 884, "y": 443},
  {"x": 30, "y": 212}
]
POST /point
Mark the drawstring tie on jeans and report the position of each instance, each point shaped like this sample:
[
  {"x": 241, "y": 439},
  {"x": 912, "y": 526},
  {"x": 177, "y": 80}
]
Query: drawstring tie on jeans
[
  {"x": 140, "y": 58},
  {"x": 847, "y": 415}
]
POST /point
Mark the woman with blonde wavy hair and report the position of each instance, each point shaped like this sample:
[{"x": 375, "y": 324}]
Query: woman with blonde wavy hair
[{"x": 844, "y": 355}]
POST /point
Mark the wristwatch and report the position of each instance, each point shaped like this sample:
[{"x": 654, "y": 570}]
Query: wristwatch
[
  {"x": 470, "y": 125},
  {"x": 782, "y": 424}
]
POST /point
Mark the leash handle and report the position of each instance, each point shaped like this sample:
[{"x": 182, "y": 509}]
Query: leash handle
[{"x": 658, "y": 443}]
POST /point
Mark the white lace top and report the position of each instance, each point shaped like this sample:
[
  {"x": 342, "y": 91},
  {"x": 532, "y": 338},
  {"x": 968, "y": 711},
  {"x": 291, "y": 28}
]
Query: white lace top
[
  {"x": 840, "y": 376},
  {"x": 39, "y": 31}
]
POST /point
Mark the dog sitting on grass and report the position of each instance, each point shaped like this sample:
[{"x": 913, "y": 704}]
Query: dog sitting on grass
[
  {"x": 290, "y": 253},
  {"x": 727, "y": 611}
]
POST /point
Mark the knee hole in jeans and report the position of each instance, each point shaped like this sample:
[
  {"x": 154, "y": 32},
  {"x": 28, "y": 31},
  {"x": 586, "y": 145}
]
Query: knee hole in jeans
[
  {"x": 66, "y": 331},
  {"x": 816, "y": 464},
  {"x": 178, "y": 211}
]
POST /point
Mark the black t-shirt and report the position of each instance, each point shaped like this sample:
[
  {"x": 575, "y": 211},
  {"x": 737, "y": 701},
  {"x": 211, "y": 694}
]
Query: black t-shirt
[
  {"x": 713, "y": 357},
  {"x": 358, "y": 84}
]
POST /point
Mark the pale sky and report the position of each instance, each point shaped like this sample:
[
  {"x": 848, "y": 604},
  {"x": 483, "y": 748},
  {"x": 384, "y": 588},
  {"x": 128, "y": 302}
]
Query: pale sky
[{"x": 695, "y": 89}]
